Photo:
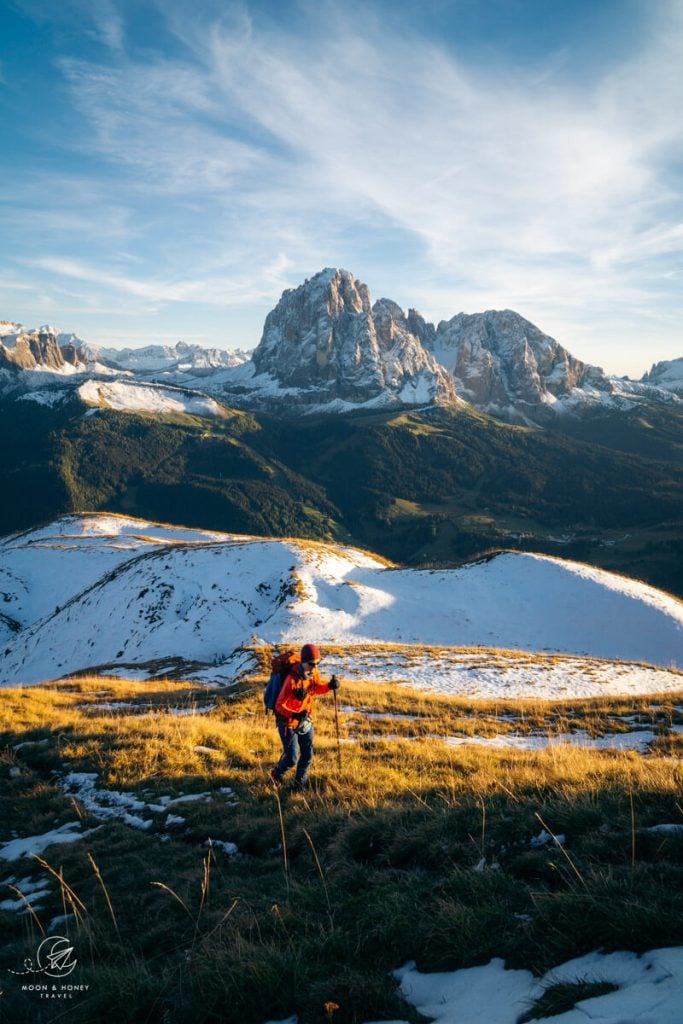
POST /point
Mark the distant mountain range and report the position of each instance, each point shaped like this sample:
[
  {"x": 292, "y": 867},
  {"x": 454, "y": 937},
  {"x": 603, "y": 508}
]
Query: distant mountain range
[
  {"x": 327, "y": 348},
  {"x": 48, "y": 350}
]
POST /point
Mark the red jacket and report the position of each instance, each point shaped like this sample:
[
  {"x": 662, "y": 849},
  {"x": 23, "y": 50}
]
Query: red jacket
[{"x": 288, "y": 707}]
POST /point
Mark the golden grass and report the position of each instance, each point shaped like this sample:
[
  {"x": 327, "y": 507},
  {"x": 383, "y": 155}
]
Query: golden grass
[
  {"x": 128, "y": 746},
  {"x": 370, "y": 866},
  {"x": 361, "y": 654}
]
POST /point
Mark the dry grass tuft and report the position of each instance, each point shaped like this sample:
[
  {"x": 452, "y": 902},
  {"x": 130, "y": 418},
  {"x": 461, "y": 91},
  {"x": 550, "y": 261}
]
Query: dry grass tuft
[{"x": 413, "y": 850}]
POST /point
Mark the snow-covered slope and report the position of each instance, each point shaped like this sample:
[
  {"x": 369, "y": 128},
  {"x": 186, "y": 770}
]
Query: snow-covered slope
[
  {"x": 128, "y": 397},
  {"x": 667, "y": 375},
  {"x": 33, "y": 563},
  {"x": 114, "y": 594}
]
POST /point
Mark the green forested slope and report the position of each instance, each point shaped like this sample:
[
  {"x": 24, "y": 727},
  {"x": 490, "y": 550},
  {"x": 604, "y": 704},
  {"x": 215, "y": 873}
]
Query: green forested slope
[
  {"x": 445, "y": 486},
  {"x": 417, "y": 487}
]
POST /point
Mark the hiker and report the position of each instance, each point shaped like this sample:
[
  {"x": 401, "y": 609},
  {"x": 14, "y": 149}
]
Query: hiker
[{"x": 293, "y": 715}]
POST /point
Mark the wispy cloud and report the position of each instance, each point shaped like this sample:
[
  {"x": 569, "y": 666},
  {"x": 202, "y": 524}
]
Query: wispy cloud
[
  {"x": 250, "y": 155},
  {"x": 469, "y": 163},
  {"x": 109, "y": 24},
  {"x": 157, "y": 291},
  {"x": 160, "y": 122},
  {"x": 207, "y": 291}
]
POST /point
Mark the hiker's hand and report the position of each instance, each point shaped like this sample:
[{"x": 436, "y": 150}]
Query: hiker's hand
[
  {"x": 303, "y": 715},
  {"x": 333, "y": 683}
]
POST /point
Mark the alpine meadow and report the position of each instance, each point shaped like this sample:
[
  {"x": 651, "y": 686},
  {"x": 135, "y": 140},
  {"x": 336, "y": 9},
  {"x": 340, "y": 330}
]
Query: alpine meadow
[{"x": 342, "y": 639}]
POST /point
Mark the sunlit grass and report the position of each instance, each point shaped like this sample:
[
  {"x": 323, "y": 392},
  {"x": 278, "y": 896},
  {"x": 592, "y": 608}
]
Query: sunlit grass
[{"x": 413, "y": 850}]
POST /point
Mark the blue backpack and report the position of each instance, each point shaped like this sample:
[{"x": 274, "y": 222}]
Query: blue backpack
[{"x": 280, "y": 668}]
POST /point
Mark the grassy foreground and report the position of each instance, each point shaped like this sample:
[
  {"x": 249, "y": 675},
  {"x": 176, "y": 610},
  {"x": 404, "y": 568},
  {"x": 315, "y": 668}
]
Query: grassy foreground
[{"x": 414, "y": 850}]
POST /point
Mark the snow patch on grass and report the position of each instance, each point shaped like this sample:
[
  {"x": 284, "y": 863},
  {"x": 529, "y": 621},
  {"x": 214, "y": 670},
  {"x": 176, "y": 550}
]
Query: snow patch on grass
[
  {"x": 649, "y": 987},
  {"x": 67, "y": 833}
]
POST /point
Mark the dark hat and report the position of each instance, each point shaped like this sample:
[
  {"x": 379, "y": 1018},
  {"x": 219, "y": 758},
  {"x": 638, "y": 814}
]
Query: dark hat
[{"x": 309, "y": 652}]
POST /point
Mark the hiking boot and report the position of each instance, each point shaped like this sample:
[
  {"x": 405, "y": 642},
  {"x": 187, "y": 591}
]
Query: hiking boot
[
  {"x": 302, "y": 784},
  {"x": 274, "y": 777}
]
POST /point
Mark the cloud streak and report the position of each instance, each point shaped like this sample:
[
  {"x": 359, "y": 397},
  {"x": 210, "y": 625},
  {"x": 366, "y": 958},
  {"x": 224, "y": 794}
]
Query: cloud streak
[
  {"x": 468, "y": 164},
  {"x": 248, "y": 146}
]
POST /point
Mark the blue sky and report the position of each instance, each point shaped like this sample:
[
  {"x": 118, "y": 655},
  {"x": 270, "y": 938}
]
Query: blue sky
[{"x": 169, "y": 167}]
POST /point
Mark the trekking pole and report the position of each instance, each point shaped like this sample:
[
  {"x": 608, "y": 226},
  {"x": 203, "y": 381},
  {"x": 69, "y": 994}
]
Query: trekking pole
[{"x": 336, "y": 722}]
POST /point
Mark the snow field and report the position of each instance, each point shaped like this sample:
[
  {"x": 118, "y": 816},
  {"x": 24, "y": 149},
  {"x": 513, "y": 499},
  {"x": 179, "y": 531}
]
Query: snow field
[
  {"x": 127, "y": 397},
  {"x": 110, "y": 595},
  {"x": 495, "y": 675}
]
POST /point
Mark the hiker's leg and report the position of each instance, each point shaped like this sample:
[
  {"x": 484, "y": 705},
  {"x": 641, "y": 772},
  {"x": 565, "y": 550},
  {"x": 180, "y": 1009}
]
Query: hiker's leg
[
  {"x": 290, "y": 750},
  {"x": 306, "y": 746}
]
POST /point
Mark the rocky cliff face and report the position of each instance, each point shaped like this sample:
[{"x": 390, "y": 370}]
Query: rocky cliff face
[
  {"x": 329, "y": 342},
  {"x": 39, "y": 350},
  {"x": 326, "y": 347},
  {"x": 502, "y": 363}
]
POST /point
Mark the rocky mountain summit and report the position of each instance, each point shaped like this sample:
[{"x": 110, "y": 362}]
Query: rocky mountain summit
[
  {"x": 327, "y": 340},
  {"x": 326, "y": 344},
  {"x": 37, "y": 350},
  {"x": 326, "y": 347},
  {"x": 503, "y": 364}
]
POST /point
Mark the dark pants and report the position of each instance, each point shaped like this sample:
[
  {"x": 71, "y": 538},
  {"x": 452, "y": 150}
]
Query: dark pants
[{"x": 297, "y": 747}]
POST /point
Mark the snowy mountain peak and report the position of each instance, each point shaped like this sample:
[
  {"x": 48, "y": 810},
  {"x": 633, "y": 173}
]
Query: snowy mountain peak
[
  {"x": 8, "y": 332},
  {"x": 667, "y": 375},
  {"x": 325, "y": 339},
  {"x": 501, "y": 360},
  {"x": 65, "y": 338},
  {"x": 181, "y": 357}
]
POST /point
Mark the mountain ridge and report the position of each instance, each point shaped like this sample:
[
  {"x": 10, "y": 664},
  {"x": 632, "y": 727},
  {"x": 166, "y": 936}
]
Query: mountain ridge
[
  {"x": 129, "y": 595},
  {"x": 326, "y": 347}
]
